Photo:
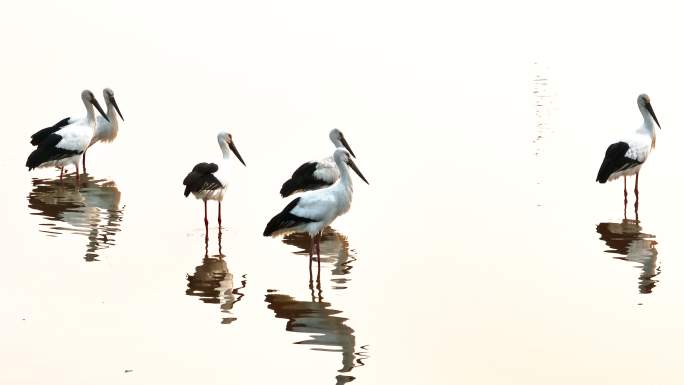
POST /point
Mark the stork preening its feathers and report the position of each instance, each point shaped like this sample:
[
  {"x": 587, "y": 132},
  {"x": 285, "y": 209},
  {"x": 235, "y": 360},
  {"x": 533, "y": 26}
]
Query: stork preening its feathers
[
  {"x": 208, "y": 181},
  {"x": 626, "y": 157},
  {"x": 66, "y": 141},
  {"x": 314, "y": 175}
]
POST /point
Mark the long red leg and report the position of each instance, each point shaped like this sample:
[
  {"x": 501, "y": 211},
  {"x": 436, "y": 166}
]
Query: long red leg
[
  {"x": 84, "y": 166},
  {"x": 78, "y": 175},
  {"x": 636, "y": 193},
  {"x": 318, "y": 252},
  {"x": 311, "y": 251},
  {"x": 625, "y": 179},
  {"x": 219, "y": 215},
  {"x": 61, "y": 173}
]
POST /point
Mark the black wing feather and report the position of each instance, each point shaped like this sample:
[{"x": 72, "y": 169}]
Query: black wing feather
[
  {"x": 48, "y": 151},
  {"x": 302, "y": 180},
  {"x": 615, "y": 161},
  {"x": 42, "y": 134},
  {"x": 202, "y": 178},
  {"x": 285, "y": 219}
]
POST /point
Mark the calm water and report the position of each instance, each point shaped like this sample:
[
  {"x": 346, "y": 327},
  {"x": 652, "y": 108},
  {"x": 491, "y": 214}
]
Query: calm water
[{"x": 482, "y": 252}]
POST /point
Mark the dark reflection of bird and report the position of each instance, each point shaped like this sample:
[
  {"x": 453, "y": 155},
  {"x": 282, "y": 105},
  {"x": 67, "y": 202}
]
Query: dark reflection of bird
[
  {"x": 327, "y": 331},
  {"x": 92, "y": 210},
  {"x": 626, "y": 239},
  {"x": 213, "y": 283},
  {"x": 334, "y": 250}
]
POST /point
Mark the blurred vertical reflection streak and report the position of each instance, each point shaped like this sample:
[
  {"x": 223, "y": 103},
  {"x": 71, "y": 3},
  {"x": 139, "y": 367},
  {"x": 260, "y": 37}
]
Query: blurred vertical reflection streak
[
  {"x": 212, "y": 282},
  {"x": 92, "y": 210},
  {"x": 315, "y": 317},
  {"x": 625, "y": 238}
]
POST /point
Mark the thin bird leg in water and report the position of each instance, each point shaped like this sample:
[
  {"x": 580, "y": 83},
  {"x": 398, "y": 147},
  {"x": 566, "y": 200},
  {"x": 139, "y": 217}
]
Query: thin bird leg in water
[
  {"x": 311, "y": 251},
  {"x": 318, "y": 252},
  {"x": 636, "y": 185},
  {"x": 625, "y": 178},
  {"x": 636, "y": 193},
  {"x": 78, "y": 174},
  {"x": 206, "y": 221},
  {"x": 84, "y": 167},
  {"x": 61, "y": 173},
  {"x": 219, "y": 216}
]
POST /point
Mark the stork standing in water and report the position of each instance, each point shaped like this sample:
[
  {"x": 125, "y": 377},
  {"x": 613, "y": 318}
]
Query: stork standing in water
[
  {"x": 314, "y": 175},
  {"x": 314, "y": 210},
  {"x": 208, "y": 181},
  {"x": 625, "y": 157},
  {"x": 106, "y": 129},
  {"x": 66, "y": 141}
]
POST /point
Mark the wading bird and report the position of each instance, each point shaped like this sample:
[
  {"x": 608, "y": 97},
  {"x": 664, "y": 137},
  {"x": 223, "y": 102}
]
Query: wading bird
[
  {"x": 314, "y": 210},
  {"x": 625, "y": 157},
  {"x": 314, "y": 175},
  {"x": 106, "y": 129},
  {"x": 208, "y": 181},
  {"x": 65, "y": 142}
]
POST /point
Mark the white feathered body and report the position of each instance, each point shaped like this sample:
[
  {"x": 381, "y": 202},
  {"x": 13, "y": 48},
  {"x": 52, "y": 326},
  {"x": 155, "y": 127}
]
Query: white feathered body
[
  {"x": 640, "y": 145},
  {"x": 323, "y": 206},
  {"x": 75, "y": 137},
  {"x": 326, "y": 170},
  {"x": 105, "y": 131}
]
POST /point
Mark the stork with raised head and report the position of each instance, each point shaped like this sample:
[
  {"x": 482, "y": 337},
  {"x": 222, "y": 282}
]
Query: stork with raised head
[
  {"x": 314, "y": 175},
  {"x": 625, "y": 157},
  {"x": 65, "y": 142},
  {"x": 106, "y": 129},
  {"x": 208, "y": 181},
  {"x": 314, "y": 210}
]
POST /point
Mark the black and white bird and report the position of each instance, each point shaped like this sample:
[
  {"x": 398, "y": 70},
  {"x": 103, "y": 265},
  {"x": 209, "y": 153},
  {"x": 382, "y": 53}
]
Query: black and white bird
[
  {"x": 314, "y": 175},
  {"x": 107, "y": 129},
  {"x": 208, "y": 181},
  {"x": 626, "y": 157},
  {"x": 64, "y": 143},
  {"x": 314, "y": 210}
]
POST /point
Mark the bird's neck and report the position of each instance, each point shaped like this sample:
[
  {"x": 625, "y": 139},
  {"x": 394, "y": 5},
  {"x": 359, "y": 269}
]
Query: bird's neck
[
  {"x": 111, "y": 114},
  {"x": 345, "y": 178},
  {"x": 225, "y": 151},
  {"x": 649, "y": 124},
  {"x": 90, "y": 115}
]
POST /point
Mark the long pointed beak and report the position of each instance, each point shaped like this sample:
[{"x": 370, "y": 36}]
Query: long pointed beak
[
  {"x": 232, "y": 147},
  {"x": 116, "y": 106},
  {"x": 650, "y": 111},
  {"x": 99, "y": 109},
  {"x": 346, "y": 145},
  {"x": 356, "y": 170}
]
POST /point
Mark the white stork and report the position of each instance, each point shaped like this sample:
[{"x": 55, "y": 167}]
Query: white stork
[
  {"x": 314, "y": 210},
  {"x": 106, "y": 129},
  {"x": 66, "y": 141},
  {"x": 625, "y": 157},
  {"x": 208, "y": 181},
  {"x": 314, "y": 175}
]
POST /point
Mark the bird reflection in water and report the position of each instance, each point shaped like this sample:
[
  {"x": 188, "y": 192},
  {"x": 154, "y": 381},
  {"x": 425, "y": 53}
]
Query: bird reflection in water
[
  {"x": 625, "y": 238},
  {"x": 315, "y": 317},
  {"x": 91, "y": 210},
  {"x": 213, "y": 282},
  {"x": 327, "y": 331},
  {"x": 334, "y": 251}
]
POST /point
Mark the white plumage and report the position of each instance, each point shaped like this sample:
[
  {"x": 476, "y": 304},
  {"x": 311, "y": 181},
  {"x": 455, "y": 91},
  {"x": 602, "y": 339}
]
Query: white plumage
[
  {"x": 208, "y": 181},
  {"x": 314, "y": 210},
  {"x": 625, "y": 157},
  {"x": 316, "y": 174},
  {"x": 64, "y": 143}
]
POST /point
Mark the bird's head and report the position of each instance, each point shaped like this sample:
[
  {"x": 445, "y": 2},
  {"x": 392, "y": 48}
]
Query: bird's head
[
  {"x": 89, "y": 99},
  {"x": 225, "y": 140},
  {"x": 644, "y": 103},
  {"x": 342, "y": 156},
  {"x": 108, "y": 95},
  {"x": 339, "y": 141}
]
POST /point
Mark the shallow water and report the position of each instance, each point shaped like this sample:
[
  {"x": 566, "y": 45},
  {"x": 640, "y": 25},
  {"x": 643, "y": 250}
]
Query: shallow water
[{"x": 482, "y": 252}]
